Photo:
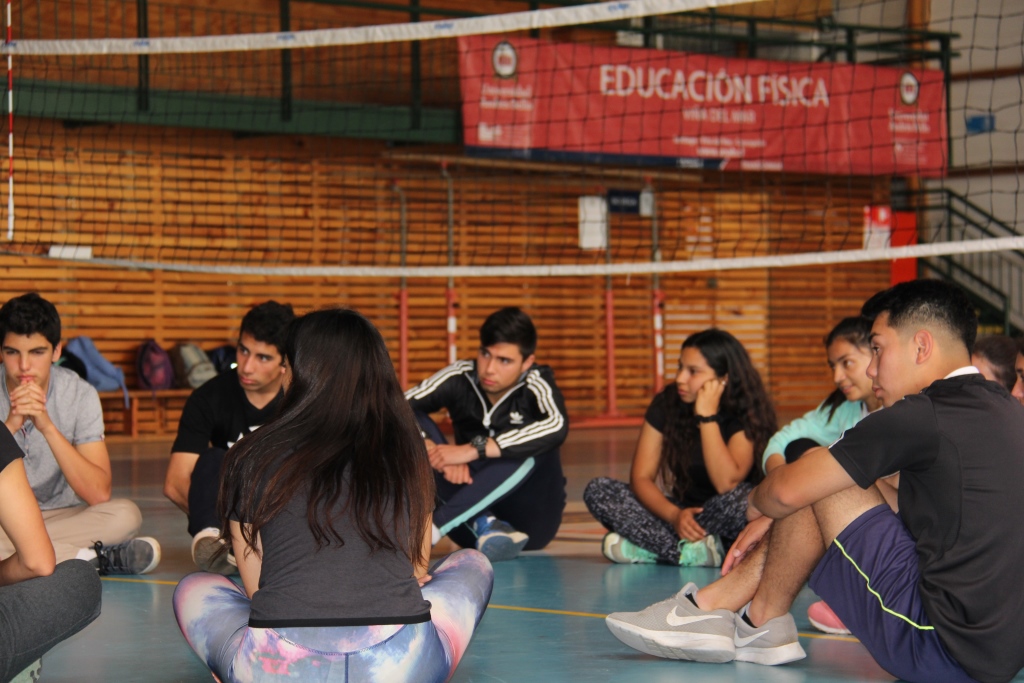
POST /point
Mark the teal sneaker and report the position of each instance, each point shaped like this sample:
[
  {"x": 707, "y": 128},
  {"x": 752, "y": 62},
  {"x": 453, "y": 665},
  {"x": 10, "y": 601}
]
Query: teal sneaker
[
  {"x": 31, "y": 674},
  {"x": 706, "y": 552},
  {"x": 620, "y": 551}
]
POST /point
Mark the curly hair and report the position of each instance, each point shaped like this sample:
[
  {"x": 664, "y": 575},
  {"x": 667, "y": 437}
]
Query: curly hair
[{"x": 745, "y": 398}]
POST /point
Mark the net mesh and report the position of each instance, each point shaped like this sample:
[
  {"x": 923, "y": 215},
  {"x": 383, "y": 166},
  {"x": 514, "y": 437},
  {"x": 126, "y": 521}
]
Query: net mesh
[{"x": 207, "y": 145}]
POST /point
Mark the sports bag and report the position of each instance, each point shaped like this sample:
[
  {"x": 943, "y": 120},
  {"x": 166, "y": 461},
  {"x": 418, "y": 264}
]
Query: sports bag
[
  {"x": 192, "y": 367},
  {"x": 153, "y": 367},
  {"x": 99, "y": 371}
]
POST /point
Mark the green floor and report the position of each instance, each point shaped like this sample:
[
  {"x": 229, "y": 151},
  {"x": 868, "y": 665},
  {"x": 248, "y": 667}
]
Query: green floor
[{"x": 544, "y": 624}]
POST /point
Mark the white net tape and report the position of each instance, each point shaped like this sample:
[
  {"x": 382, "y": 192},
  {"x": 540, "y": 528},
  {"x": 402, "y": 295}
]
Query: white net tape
[
  {"x": 694, "y": 266},
  {"x": 361, "y": 35}
]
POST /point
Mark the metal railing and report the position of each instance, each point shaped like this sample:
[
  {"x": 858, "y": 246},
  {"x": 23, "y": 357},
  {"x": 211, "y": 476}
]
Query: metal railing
[{"x": 995, "y": 278}]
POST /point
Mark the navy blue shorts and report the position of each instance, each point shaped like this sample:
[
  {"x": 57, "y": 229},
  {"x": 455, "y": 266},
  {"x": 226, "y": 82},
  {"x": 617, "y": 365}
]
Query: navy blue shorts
[{"x": 869, "y": 577}]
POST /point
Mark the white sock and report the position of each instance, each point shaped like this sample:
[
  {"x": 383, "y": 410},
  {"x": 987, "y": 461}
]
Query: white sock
[
  {"x": 435, "y": 534},
  {"x": 87, "y": 554}
]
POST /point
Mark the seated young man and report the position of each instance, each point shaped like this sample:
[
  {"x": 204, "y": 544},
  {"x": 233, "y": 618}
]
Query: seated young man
[
  {"x": 218, "y": 414},
  {"x": 42, "y": 602},
  {"x": 500, "y": 487},
  {"x": 56, "y": 420},
  {"x": 931, "y": 590}
]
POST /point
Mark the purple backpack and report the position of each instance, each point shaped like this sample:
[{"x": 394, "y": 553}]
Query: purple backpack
[{"x": 154, "y": 367}]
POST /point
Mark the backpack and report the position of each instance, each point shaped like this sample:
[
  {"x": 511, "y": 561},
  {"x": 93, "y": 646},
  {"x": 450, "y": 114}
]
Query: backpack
[
  {"x": 99, "y": 371},
  {"x": 223, "y": 357},
  {"x": 192, "y": 367},
  {"x": 153, "y": 367},
  {"x": 71, "y": 362}
]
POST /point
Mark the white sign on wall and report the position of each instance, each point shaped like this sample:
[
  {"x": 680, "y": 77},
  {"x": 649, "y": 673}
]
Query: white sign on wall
[{"x": 593, "y": 215}]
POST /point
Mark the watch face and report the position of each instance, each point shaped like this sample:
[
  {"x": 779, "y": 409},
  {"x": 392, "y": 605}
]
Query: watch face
[{"x": 479, "y": 440}]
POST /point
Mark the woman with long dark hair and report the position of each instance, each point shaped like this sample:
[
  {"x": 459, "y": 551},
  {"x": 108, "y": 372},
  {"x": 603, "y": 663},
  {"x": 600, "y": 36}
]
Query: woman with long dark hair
[
  {"x": 328, "y": 510},
  {"x": 694, "y": 462}
]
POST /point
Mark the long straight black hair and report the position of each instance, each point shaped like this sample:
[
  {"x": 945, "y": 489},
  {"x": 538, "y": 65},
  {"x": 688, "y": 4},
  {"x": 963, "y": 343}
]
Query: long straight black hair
[
  {"x": 744, "y": 398},
  {"x": 344, "y": 424},
  {"x": 855, "y": 330}
]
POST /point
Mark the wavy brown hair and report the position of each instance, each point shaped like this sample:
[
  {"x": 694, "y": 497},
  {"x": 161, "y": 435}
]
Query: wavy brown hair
[
  {"x": 343, "y": 426},
  {"x": 744, "y": 398}
]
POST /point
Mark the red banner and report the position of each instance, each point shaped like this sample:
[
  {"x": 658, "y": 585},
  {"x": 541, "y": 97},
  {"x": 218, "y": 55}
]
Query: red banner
[{"x": 536, "y": 99}]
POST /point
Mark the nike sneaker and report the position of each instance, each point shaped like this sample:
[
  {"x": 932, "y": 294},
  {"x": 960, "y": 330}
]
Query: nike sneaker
[
  {"x": 774, "y": 642},
  {"x": 677, "y": 629}
]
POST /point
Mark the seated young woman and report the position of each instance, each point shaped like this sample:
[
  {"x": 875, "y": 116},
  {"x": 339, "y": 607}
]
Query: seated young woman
[
  {"x": 328, "y": 510},
  {"x": 41, "y": 602},
  {"x": 848, "y": 348},
  {"x": 694, "y": 463},
  {"x": 995, "y": 356}
]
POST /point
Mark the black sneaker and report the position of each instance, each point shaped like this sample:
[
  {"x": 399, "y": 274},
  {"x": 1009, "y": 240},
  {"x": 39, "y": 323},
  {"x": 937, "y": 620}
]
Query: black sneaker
[{"x": 137, "y": 556}]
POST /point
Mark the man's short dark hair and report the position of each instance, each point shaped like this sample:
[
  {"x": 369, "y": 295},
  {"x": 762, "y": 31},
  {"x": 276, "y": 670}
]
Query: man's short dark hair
[
  {"x": 927, "y": 301},
  {"x": 268, "y": 323},
  {"x": 509, "y": 326},
  {"x": 28, "y": 314}
]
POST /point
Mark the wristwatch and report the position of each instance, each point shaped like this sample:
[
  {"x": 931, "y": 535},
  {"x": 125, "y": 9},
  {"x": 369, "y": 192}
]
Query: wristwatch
[{"x": 479, "y": 442}]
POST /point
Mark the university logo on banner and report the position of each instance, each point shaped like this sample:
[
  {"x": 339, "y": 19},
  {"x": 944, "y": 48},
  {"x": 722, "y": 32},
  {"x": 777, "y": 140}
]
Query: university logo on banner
[{"x": 535, "y": 99}]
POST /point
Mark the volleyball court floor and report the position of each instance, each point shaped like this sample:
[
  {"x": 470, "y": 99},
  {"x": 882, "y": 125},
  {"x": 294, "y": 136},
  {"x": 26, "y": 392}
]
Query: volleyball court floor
[{"x": 545, "y": 622}]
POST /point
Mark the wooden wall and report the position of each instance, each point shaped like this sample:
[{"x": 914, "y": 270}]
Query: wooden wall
[{"x": 166, "y": 194}]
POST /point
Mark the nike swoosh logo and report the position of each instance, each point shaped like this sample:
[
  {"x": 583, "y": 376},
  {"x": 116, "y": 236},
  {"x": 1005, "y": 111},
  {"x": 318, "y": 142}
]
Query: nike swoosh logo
[
  {"x": 674, "y": 619},
  {"x": 743, "y": 642}
]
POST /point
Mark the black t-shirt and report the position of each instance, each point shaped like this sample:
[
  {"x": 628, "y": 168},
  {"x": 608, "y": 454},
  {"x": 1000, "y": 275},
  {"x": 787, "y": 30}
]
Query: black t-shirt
[
  {"x": 9, "y": 450},
  {"x": 219, "y": 414},
  {"x": 958, "y": 448},
  {"x": 337, "y": 585},
  {"x": 700, "y": 488}
]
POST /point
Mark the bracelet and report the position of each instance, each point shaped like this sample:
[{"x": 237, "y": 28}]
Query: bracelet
[{"x": 705, "y": 419}]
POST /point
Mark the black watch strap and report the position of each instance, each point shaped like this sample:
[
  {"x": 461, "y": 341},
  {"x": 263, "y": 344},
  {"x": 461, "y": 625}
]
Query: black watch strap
[{"x": 480, "y": 443}]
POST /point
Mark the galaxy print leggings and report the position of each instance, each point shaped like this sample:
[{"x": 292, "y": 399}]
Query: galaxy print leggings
[{"x": 213, "y": 614}]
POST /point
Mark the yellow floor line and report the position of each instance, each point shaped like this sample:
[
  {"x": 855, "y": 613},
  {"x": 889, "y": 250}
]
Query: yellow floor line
[
  {"x": 547, "y": 611},
  {"x": 822, "y": 636},
  {"x": 511, "y": 608},
  {"x": 127, "y": 580}
]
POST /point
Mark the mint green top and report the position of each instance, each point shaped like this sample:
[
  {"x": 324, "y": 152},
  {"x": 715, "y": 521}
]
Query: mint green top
[{"x": 816, "y": 425}]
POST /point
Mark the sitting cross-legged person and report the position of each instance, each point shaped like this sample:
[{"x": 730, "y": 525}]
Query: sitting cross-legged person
[{"x": 56, "y": 419}]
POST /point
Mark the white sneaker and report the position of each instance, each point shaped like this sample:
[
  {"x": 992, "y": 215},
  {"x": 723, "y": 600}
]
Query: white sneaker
[
  {"x": 211, "y": 554},
  {"x": 774, "y": 642},
  {"x": 677, "y": 629}
]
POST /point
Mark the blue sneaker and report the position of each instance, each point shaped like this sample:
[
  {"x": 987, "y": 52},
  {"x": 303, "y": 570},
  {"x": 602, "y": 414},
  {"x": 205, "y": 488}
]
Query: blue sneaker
[{"x": 497, "y": 539}]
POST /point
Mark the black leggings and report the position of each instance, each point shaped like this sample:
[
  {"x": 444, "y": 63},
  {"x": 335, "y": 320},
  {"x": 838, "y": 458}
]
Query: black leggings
[
  {"x": 203, "y": 489},
  {"x": 613, "y": 504}
]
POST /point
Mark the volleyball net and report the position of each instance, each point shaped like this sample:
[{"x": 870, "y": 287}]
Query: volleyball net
[{"x": 640, "y": 137}]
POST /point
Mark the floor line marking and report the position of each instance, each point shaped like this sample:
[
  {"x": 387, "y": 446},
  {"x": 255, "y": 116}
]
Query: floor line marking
[
  {"x": 548, "y": 611},
  {"x": 511, "y": 608},
  {"x": 160, "y": 582},
  {"x": 567, "y": 613}
]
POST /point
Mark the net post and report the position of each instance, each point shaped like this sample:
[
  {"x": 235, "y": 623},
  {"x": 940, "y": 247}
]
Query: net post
[
  {"x": 450, "y": 296},
  {"x": 612, "y": 409},
  {"x": 657, "y": 294},
  {"x": 657, "y": 314},
  {"x": 403, "y": 293},
  {"x": 10, "y": 129}
]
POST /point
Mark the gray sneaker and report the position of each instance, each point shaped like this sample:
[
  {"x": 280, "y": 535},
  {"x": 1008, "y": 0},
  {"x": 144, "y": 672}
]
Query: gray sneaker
[
  {"x": 678, "y": 629},
  {"x": 138, "y": 556},
  {"x": 774, "y": 642}
]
